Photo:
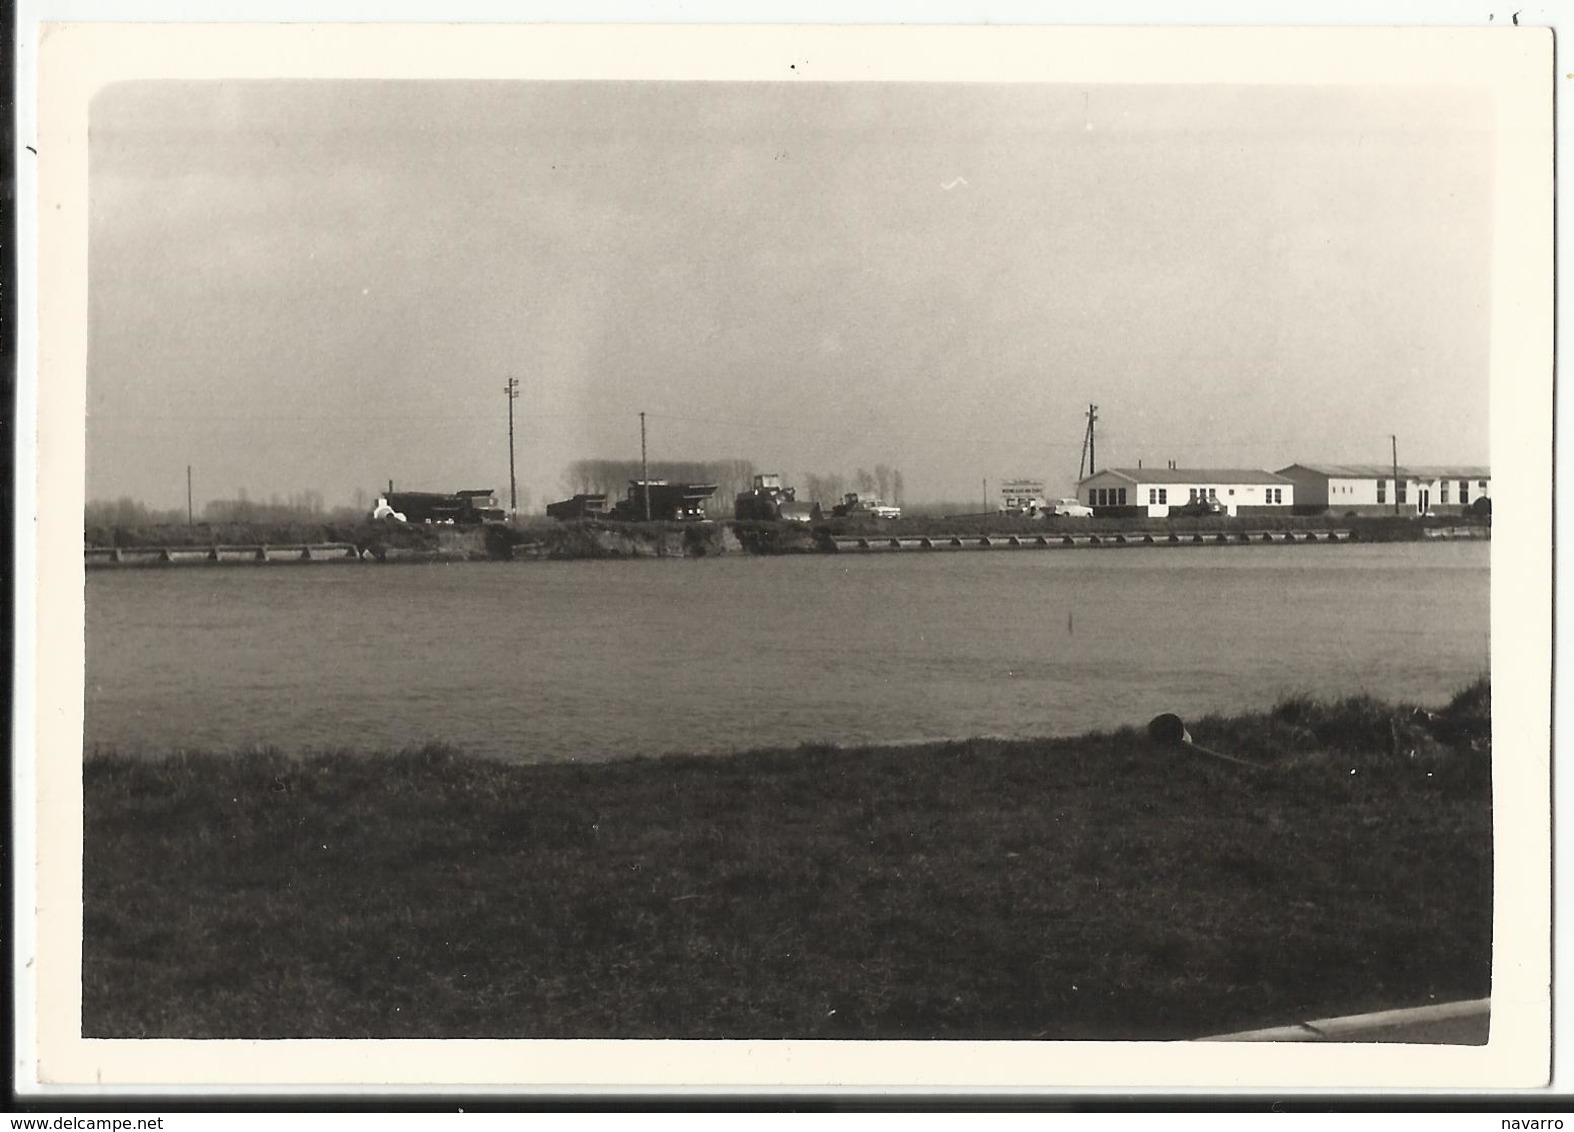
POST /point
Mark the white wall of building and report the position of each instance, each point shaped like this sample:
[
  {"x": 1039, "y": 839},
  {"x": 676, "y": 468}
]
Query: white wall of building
[
  {"x": 1158, "y": 499},
  {"x": 1422, "y": 491}
]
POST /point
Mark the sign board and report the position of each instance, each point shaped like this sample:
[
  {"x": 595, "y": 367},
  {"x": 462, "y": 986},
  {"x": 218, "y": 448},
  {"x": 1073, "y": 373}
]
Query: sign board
[{"x": 1022, "y": 495}]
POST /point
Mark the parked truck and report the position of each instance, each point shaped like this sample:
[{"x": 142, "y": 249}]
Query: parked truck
[
  {"x": 660, "y": 501},
  {"x": 853, "y": 507},
  {"x": 585, "y": 505},
  {"x": 473, "y": 505}
]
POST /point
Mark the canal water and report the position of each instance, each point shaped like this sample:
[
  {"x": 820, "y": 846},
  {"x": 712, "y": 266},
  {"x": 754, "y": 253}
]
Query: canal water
[{"x": 595, "y": 660}]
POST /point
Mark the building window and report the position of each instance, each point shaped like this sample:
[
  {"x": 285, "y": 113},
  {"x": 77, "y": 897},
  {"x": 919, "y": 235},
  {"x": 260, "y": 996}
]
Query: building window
[
  {"x": 1164, "y": 495},
  {"x": 1153, "y": 495},
  {"x": 1382, "y": 491},
  {"x": 1120, "y": 497},
  {"x": 1464, "y": 492},
  {"x": 1213, "y": 493},
  {"x": 1193, "y": 492},
  {"x": 1442, "y": 491},
  {"x": 1481, "y": 487},
  {"x": 1399, "y": 490}
]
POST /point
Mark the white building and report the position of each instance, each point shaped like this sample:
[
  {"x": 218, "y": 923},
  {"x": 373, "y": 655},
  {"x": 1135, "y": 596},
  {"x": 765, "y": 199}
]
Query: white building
[
  {"x": 1156, "y": 492},
  {"x": 1373, "y": 489}
]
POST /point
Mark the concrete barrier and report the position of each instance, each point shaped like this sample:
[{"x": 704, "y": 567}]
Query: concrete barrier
[
  {"x": 98, "y": 556},
  {"x": 884, "y": 543}
]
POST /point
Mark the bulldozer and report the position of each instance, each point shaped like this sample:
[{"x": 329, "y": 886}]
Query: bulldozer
[{"x": 768, "y": 501}]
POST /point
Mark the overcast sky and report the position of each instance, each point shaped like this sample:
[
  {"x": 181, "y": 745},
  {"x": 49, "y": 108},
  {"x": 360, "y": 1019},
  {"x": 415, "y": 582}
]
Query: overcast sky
[{"x": 325, "y": 285}]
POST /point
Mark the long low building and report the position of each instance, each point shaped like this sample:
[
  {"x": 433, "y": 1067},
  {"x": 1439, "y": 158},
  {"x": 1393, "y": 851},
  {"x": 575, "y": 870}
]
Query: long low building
[
  {"x": 1374, "y": 489},
  {"x": 1156, "y": 492}
]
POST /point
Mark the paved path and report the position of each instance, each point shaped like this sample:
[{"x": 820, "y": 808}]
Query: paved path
[{"x": 1450, "y": 1023}]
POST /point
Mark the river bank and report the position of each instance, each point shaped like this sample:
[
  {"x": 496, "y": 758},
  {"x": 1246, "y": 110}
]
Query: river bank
[
  {"x": 596, "y": 539},
  {"x": 1102, "y": 886}
]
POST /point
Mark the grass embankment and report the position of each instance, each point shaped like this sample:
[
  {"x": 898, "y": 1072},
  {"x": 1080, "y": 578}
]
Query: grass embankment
[{"x": 1097, "y": 887}]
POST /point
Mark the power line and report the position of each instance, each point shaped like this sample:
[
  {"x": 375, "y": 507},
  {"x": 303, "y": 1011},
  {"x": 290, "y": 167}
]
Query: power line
[
  {"x": 512, "y": 389},
  {"x": 1089, "y": 453}
]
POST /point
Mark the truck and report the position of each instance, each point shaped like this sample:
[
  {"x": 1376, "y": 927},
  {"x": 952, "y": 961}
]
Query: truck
[
  {"x": 585, "y": 505},
  {"x": 668, "y": 502},
  {"x": 852, "y": 507},
  {"x": 460, "y": 508}
]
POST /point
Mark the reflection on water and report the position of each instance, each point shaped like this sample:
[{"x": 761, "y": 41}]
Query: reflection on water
[{"x": 592, "y": 660}]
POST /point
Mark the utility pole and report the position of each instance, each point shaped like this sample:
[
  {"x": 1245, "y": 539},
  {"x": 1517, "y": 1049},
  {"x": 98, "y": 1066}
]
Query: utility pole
[
  {"x": 189, "y": 519},
  {"x": 1089, "y": 451},
  {"x": 986, "y": 496},
  {"x": 1394, "y": 441},
  {"x": 644, "y": 470},
  {"x": 512, "y": 389}
]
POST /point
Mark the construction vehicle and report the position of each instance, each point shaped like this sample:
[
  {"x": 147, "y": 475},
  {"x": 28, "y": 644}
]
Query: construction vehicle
[
  {"x": 660, "y": 501},
  {"x": 473, "y": 505},
  {"x": 585, "y": 505},
  {"x": 768, "y": 501}
]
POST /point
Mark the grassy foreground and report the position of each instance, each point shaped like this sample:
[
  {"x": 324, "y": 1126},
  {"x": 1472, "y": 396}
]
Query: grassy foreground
[{"x": 1097, "y": 887}]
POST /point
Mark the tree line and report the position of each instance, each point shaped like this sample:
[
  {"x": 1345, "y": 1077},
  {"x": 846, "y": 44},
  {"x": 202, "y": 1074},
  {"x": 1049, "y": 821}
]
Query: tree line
[
  {"x": 609, "y": 477},
  {"x": 297, "y": 507},
  {"x": 885, "y": 482}
]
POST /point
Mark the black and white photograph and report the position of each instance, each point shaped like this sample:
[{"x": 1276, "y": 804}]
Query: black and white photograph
[{"x": 766, "y": 543}]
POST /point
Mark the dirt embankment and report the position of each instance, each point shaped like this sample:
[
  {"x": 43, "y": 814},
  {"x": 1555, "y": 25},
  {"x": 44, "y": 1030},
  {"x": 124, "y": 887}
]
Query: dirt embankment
[
  {"x": 598, "y": 539},
  {"x": 394, "y": 541}
]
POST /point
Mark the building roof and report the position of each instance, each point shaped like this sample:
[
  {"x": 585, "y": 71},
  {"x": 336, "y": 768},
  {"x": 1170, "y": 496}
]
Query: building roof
[
  {"x": 1386, "y": 471},
  {"x": 1192, "y": 475}
]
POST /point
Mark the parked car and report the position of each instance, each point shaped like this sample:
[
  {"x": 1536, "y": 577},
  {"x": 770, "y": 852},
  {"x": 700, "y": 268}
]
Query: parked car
[
  {"x": 1198, "y": 507},
  {"x": 1069, "y": 508}
]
